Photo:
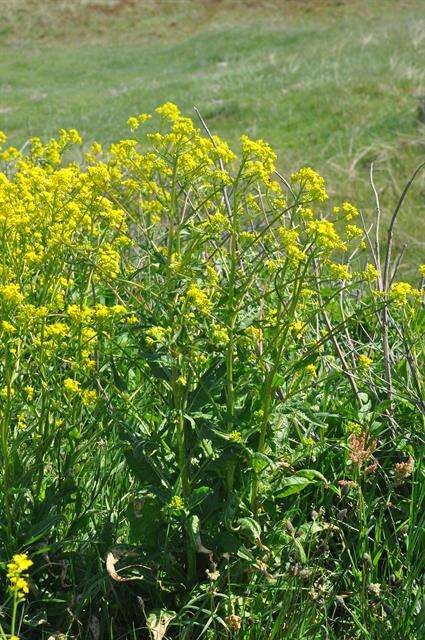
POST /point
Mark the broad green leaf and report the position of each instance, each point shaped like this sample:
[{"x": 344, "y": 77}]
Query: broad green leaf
[
  {"x": 250, "y": 528},
  {"x": 311, "y": 474},
  {"x": 291, "y": 485},
  {"x": 259, "y": 462}
]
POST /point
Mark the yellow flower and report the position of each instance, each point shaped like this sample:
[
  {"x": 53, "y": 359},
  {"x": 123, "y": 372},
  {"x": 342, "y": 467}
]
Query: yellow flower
[
  {"x": 155, "y": 334},
  {"x": 16, "y": 574},
  {"x": 7, "y": 391},
  {"x": 199, "y": 299},
  {"x": 422, "y": 270},
  {"x": 354, "y": 427},
  {"x": 11, "y": 293},
  {"x": 311, "y": 370},
  {"x": 56, "y": 331},
  {"x": 176, "y": 503},
  {"x": 8, "y": 327},
  {"x": 371, "y": 273},
  {"x": 236, "y": 436},
  {"x": 108, "y": 261},
  {"x": 169, "y": 111},
  {"x": 216, "y": 223},
  {"x": 326, "y": 235},
  {"x": 30, "y": 393},
  {"x": 313, "y": 185},
  {"x": 297, "y": 328},
  {"x": 134, "y": 122},
  {"x": 259, "y": 159},
  {"x": 339, "y": 271},
  {"x": 400, "y": 292},
  {"x": 289, "y": 238},
  {"x": 349, "y": 210},
  {"x": 219, "y": 334},
  {"x": 20, "y": 562},
  {"x": 88, "y": 397},
  {"x": 365, "y": 361},
  {"x": 353, "y": 231},
  {"x": 71, "y": 385}
]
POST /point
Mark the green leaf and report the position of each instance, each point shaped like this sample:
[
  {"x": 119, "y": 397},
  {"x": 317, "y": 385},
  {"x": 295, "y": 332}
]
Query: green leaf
[
  {"x": 157, "y": 622},
  {"x": 245, "y": 554},
  {"x": 250, "y": 528},
  {"x": 198, "y": 495},
  {"x": 291, "y": 485},
  {"x": 259, "y": 462},
  {"x": 311, "y": 474},
  {"x": 159, "y": 372},
  {"x": 207, "y": 385},
  {"x": 300, "y": 549},
  {"x": 145, "y": 522},
  {"x": 194, "y": 530}
]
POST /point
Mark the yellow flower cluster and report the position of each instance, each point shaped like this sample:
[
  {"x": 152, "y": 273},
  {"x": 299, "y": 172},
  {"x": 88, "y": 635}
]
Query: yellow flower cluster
[
  {"x": 259, "y": 160},
  {"x": 339, "y": 271},
  {"x": 17, "y": 574},
  {"x": 219, "y": 333},
  {"x": 156, "y": 335},
  {"x": 216, "y": 223},
  {"x": 312, "y": 184},
  {"x": 327, "y": 237},
  {"x": 88, "y": 396},
  {"x": 349, "y": 210},
  {"x": 401, "y": 292},
  {"x": 134, "y": 122},
  {"x": 365, "y": 361},
  {"x": 176, "y": 503},
  {"x": 371, "y": 273},
  {"x": 289, "y": 239},
  {"x": 199, "y": 299}
]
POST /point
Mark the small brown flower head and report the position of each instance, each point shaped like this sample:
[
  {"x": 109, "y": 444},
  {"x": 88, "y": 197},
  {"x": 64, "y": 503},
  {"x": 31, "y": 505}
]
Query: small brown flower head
[
  {"x": 233, "y": 621},
  {"x": 359, "y": 451},
  {"x": 403, "y": 470},
  {"x": 371, "y": 469}
]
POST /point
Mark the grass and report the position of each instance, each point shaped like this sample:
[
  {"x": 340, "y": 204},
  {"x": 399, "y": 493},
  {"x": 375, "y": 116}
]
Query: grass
[{"x": 335, "y": 85}]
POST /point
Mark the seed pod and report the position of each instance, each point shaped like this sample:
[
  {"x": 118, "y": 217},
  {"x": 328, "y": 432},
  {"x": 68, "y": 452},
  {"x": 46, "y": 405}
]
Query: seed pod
[
  {"x": 289, "y": 527},
  {"x": 367, "y": 560},
  {"x": 340, "y": 601}
]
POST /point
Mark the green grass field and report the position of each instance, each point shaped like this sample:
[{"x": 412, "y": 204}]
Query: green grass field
[{"x": 336, "y": 85}]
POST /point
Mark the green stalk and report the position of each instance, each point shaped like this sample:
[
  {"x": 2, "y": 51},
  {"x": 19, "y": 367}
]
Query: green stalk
[
  {"x": 230, "y": 389},
  {"x": 185, "y": 480},
  {"x": 7, "y": 475},
  {"x": 178, "y": 399},
  {"x": 267, "y": 394}
]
